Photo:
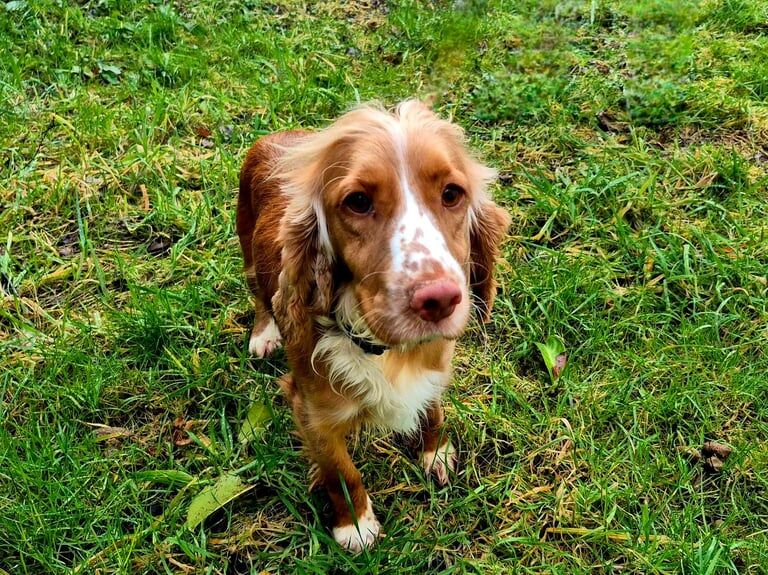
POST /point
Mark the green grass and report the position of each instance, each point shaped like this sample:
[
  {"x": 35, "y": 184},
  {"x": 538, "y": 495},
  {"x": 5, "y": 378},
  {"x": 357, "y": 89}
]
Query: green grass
[{"x": 632, "y": 138}]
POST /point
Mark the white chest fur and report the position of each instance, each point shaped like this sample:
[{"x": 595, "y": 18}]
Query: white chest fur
[{"x": 390, "y": 391}]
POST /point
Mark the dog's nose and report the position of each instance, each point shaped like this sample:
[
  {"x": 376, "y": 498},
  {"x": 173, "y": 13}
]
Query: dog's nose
[{"x": 436, "y": 301}]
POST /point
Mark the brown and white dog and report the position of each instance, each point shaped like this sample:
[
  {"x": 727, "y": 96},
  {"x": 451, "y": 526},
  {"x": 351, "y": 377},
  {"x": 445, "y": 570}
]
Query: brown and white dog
[{"x": 365, "y": 246}]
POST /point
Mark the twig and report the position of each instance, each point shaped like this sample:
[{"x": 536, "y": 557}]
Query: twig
[
  {"x": 610, "y": 535},
  {"x": 44, "y": 135}
]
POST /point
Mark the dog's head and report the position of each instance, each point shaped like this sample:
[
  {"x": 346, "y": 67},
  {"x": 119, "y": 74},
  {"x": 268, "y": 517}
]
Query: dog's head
[{"x": 388, "y": 225}]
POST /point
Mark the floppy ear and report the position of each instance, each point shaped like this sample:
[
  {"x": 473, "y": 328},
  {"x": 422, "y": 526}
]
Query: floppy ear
[
  {"x": 488, "y": 228},
  {"x": 305, "y": 285}
]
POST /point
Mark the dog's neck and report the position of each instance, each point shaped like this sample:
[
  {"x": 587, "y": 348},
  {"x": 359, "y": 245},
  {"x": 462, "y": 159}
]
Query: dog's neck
[{"x": 369, "y": 347}]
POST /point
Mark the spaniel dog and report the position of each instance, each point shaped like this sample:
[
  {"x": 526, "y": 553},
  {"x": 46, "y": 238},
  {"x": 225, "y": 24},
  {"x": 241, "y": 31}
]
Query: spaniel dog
[{"x": 366, "y": 245}]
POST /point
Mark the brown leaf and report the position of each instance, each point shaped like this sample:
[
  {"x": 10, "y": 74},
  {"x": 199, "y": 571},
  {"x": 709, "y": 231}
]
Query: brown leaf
[
  {"x": 181, "y": 438},
  {"x": 183, "y": 566},
  {"x": 560, "y": 362},
  {"x": 159, "y": 246},
  {"x": 144, "y": 197},
  {"x": 507, "y": 178},
  {"x": 69, "y": 244},
  {"x": 180, "y": 428},
  {"x": 713, "y": 464},
  {"x": 601, "y": 66},
  {"x": 715, "y": 449},
  {"x": 106, "y": 432},
  {"x": 712, "y": 455},
  {"x": 202, "y": 131},
  {"x": 607, "y": 122}
]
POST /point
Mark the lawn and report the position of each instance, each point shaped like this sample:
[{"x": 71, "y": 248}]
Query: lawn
[{"x": 632, "y": 143}]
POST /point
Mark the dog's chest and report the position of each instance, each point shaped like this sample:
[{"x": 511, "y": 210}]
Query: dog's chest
[
  {"x": 401, "y": 401},
  {"x": 389, "y": 391}
]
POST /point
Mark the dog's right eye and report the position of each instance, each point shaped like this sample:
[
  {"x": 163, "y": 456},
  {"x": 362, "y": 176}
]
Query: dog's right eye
[{"x": 359, "y": 203}]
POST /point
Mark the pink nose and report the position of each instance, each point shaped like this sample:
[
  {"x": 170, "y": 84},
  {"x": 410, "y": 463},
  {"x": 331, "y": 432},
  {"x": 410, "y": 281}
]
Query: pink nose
[{"x": 436, "y": 301}]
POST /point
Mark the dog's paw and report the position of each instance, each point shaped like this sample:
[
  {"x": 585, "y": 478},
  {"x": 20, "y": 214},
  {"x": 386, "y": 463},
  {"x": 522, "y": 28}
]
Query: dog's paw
[
  {"x": 355, "y": 538},
  {"x": 440, "y": 462},
  {"x": 264, "y": 342}
]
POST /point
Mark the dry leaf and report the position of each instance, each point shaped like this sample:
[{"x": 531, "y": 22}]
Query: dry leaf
[
  {"x": 144, "y": 197},
  {"x": 713, "y": 448},
  {"x": 559, "y": 366},
  {"x": 714, "y": 455},
  {"x": 106, "y": 432},
  {"x": 182, "y": 430},
  {"x": 202, "y": 131}
]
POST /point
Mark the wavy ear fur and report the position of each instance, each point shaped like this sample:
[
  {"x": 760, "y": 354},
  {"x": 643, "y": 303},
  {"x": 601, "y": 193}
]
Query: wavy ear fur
[
  {"x": 488, "y": 228},
  {"x": 305, "y": 285}
]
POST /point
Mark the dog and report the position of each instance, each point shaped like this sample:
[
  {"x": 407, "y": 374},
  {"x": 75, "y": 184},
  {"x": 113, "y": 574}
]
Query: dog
[{"x": 366, "y": 245}]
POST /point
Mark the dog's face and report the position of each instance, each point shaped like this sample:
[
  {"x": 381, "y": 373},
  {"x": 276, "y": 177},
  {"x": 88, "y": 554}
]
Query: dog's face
[
  {"x": 398, "y": 220},
  {"x": 398, "y": 205}
]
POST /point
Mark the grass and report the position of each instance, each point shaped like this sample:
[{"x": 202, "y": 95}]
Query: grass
[{"x": 632, "y": 139}]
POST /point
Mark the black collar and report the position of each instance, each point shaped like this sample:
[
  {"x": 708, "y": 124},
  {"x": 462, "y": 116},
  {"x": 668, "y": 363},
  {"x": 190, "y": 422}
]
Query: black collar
[{"x": 367, "y": 346}]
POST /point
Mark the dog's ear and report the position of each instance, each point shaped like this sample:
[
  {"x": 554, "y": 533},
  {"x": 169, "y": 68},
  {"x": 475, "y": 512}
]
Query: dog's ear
[
  {"x": 487, "y": 229},
  {"x": 305, "y": 285}
]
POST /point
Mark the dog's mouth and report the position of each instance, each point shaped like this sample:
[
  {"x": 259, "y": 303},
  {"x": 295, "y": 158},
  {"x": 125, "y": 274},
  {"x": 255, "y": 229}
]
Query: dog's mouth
[{"x": 381, "y": 328}]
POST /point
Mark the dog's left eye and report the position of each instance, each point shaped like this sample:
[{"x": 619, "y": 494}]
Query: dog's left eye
[{"x": 452, "y": 195}]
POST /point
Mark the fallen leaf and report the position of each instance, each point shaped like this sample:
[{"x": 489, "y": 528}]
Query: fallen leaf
[
  {"x": 159, "y": 246},
  {"x": 202, "y": 131},
  {"x": 144, "y": 197},
  {"x": 601, "y": 66},
  {"x": 720, "y": 450},
  {"x": 714, "y": 455},
  {"x": 559, "y": 366},
  {"x": 607, "y": 122},
  {"x": 183, "y": 435},
  {"x": 713, "y": 464},
  {"x": 550, "y": 351},
  {"x": 69, "y": 244},
  {"x": 253, "y": 425},
  {"x": 210, "y": 499},
  {"x": 106, "y": 432},
  {"x": 60, "y": 273},
  {"x": 183, "y": 566}
]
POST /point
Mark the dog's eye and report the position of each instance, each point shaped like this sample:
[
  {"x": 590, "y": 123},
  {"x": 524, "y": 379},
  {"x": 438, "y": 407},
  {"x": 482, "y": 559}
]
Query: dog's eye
[
  {"x": 452, "y": 195},
  {"x": 359, "y": 203}
]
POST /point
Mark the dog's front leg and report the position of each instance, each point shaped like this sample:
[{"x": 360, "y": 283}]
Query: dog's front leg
[
  {"x": 355, "y": 525},
  {"x": 438, "y": 456}
]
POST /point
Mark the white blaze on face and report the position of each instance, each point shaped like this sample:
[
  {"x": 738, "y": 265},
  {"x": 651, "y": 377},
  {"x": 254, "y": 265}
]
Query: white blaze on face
[{"x": 416, "y": 240}]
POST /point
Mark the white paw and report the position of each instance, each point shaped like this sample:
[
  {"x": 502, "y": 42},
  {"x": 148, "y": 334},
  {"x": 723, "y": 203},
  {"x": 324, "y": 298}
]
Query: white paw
[
  {"x": 355, "y": 538},
  {"x": 440, "y": 462},
  {"x": 266, "y": 341}
]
